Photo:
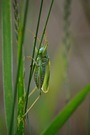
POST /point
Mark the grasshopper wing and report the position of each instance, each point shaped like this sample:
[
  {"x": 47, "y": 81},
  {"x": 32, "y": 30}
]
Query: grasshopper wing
[{"x": 45, "y": 86}]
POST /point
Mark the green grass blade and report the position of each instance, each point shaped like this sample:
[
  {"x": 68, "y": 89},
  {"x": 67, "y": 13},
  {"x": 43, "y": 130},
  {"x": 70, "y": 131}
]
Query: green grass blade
[
  {"x": 20, "y": 120},
  {"x": 20, "y": 86},
  {"x": 20, "y": 70},
  {"x": 64, "y": 115},
  {"x": 20, "y": 83},
  {"x": 7, "y": 59}
]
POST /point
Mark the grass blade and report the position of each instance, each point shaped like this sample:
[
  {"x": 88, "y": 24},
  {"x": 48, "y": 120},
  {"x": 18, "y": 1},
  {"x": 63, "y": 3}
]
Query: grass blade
[
  {"x": 65, "y": 114},
  {"x": 7, "y": 59},
  {"x": 19, "y": 70},
  {"x": 20, "y": 86}
]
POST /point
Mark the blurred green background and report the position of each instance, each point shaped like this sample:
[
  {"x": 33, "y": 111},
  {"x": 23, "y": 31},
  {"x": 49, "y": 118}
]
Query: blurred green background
[{"x": 79, "y": 66}]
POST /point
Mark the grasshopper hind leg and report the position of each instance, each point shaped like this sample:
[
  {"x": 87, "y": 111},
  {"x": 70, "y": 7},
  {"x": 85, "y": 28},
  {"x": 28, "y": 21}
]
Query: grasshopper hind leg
[{"x": 34, "y": 100}]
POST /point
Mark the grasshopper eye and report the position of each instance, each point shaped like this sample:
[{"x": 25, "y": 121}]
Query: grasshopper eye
[{"x": 42, "y": 51}]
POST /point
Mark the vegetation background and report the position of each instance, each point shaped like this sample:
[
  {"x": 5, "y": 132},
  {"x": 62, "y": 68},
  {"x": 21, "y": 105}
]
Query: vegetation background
[{"x": 79, "y": 65}]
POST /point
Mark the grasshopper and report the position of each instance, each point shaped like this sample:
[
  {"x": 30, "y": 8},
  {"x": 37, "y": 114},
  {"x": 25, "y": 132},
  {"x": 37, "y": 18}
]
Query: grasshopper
[{"x": 41, "y": 72}]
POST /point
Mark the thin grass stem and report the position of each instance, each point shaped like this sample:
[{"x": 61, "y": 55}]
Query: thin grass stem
[
  {"x": 31, "y": 69},
  {"x": 45, "y": 26}
]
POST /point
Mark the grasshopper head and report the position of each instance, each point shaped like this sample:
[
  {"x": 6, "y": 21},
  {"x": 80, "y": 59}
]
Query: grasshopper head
[{"x": 43, "y": 51}]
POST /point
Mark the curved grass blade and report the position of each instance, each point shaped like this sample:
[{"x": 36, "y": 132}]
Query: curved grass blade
[
  {"x": 65, "y": 114},
  {"x": 7, "y": 59}
]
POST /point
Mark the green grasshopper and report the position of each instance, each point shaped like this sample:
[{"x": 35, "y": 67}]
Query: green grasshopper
[{"x": 41, "y": 72}]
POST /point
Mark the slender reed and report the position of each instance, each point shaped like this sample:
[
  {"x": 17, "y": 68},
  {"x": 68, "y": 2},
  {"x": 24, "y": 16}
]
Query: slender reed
[
  {"x": 31, "y": 69},
  {"x": 45, "y": 26},
  {"x": 67, "y": 45}
]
